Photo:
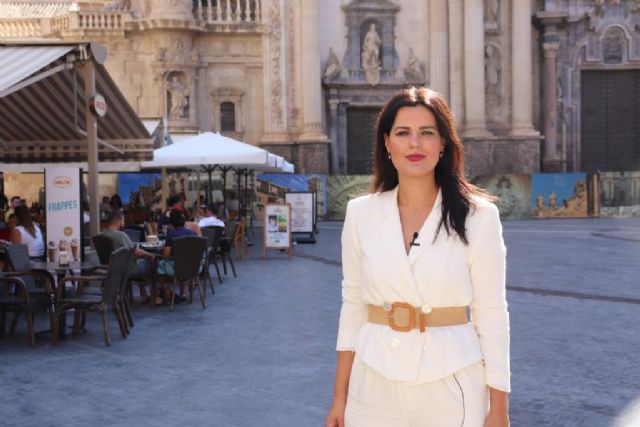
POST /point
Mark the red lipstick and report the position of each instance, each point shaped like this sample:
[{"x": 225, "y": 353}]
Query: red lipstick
[{"x": 415, "y": 157}]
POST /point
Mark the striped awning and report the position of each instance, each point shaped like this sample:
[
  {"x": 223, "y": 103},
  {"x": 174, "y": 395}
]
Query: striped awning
[{"x": 42, "y": 109}]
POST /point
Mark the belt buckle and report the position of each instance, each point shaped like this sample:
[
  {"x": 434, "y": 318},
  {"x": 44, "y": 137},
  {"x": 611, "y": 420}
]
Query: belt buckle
[{"x": 412, "y": 317}]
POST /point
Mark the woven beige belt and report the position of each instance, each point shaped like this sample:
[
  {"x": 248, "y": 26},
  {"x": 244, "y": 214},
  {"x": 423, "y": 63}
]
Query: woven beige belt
[{"x": 403, "y": 317}]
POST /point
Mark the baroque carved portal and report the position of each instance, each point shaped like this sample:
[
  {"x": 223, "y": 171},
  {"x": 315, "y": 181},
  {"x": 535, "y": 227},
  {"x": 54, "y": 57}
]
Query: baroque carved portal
[{"x": 177, "y": 96}]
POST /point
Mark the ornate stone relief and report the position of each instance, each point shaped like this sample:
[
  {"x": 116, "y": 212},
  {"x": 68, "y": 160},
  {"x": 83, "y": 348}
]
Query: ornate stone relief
[
  {"x": 333, "y": 67},
  {"x": 412, "y": 71},
  {"x": 275, "y": 40},
  {"x": 614, "y": 45}
]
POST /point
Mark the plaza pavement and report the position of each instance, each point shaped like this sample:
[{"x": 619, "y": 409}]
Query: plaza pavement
[{"x": 262, "y": 354}]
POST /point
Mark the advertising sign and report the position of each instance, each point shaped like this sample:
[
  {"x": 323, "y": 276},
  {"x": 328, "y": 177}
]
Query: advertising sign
[
  {"x": 277, "y": 227},
  {"x": 303, "y": 215},
  {"x": 64, "y": 213}
]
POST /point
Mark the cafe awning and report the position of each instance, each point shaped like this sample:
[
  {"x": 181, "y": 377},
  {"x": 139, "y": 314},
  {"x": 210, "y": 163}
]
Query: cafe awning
[{"x": 43, "y": 109}]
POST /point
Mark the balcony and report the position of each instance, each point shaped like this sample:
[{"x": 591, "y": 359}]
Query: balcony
[{"x": 229, "y": 15}]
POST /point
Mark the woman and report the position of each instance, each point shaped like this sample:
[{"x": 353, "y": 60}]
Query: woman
[
  {"x": 417, "y": 255},
  {"x": 28, "y": 233}
]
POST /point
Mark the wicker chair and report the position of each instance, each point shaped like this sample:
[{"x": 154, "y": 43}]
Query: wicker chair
[
  {"x": 240, "y": 239},
  {"x": 82, "y": 303},
  {"x": 15, "y": 298},
  {"x": 226, "y": 242},
  {"x": 213, "y": 235},
  {"x": 38, "y": 284},
  {"x": 188, "y": 254}
]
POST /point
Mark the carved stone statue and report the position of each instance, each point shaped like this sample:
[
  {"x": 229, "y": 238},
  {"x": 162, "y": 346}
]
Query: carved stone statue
[
  {"x": 492, "y": 68},
  {"x": 371, "y": 56},
  {"x": 178, "y": 98},
  {"x": 412, "y": 71},
  {"x": 491, "y": 10},
  {"x": 333, "y": 68},
  {"x": 552, "y": 200}
]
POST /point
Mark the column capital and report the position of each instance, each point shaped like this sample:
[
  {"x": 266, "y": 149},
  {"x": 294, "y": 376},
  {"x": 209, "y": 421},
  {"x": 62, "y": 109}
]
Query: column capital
[{"x": 550, "y": 49}]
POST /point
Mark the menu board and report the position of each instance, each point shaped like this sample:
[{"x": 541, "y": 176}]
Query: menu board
[
  {"x": 64, "y": 213},
  {"x": 277, "y": 227}
]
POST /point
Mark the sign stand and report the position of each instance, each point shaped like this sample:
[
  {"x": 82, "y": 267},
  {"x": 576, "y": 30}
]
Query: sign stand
[
  {"x": 303, "y": 215},
  {"x": 277, "y": 228},
  {"x": 63, "y": 213}
]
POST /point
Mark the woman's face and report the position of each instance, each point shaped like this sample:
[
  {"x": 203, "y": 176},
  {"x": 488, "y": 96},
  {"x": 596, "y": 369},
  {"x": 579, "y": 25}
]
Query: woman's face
[{"x": 414, "y": 142}]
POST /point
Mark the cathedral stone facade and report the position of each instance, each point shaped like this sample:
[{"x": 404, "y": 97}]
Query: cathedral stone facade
[{"x": 534, "y": 85}]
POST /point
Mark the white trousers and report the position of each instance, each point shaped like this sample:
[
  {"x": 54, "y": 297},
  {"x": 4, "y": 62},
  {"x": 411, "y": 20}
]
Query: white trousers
[{"x": 459, "y": 400}]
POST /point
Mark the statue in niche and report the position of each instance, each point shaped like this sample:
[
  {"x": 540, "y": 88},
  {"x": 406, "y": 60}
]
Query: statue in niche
[
  {"x": 492, "y": 69},
  {"x": 413, "y": 72},
  {"x": 491, "y": 10},
  {"x": 333, "y": 68},
  {"x": 178, "y": 98},
  {"x": 371, "y": 56}
]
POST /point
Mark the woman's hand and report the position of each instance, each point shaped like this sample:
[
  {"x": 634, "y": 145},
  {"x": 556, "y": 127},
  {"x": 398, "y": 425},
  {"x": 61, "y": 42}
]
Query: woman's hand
[
  {"x": 335, "y": 418},
  {"x": 497, "y": 419}
]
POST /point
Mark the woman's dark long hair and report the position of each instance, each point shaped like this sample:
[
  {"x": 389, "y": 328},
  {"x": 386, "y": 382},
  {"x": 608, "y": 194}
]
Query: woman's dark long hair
[
  {"x": 23, "y": 218},
  {"x": 457, "y": 192}
]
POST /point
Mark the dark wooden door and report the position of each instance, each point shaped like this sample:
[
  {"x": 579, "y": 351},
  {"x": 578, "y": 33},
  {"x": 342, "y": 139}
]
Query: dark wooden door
[
  {"x": 361, "y": 138},
  {"x": 610, "y": 120}
]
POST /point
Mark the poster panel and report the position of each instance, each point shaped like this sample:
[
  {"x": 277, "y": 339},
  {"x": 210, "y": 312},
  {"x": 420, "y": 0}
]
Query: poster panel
[
  {"x": 63, "y": 212},
  {"x": 302, "y": 211},
  {"x": 277, "y": 226}
]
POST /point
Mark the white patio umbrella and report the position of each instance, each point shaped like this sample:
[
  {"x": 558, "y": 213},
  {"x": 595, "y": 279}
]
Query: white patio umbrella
[{"x": 211, "y": 150}]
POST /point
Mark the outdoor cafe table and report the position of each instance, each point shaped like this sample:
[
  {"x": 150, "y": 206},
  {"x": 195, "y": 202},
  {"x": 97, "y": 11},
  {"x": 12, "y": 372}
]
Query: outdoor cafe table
[{"x": 61, "y": 271}]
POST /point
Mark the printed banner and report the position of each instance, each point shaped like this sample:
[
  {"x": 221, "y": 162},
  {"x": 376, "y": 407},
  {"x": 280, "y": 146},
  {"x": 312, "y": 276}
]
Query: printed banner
[
  {"x": 302, "y": 211},
  {"x": 62, "y": 192},
  {"x": 277, "y": 226}
]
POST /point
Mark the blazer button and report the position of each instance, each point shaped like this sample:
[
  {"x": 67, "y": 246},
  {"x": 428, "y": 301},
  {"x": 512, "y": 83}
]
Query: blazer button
[
  {"x": 426, "y": 308},
  {"x": 395, "y": 342}
]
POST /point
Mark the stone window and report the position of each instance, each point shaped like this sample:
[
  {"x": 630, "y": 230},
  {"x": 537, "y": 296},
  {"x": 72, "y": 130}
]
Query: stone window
[{"x": 227, "y": 117}]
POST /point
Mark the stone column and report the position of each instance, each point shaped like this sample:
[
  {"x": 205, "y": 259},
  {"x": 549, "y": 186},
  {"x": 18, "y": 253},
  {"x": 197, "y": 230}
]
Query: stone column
[
  {"x": 438, "y": 47},
  {"x": 456, "y": 61},
  {"x": 475, "y": 126},
  {"x": 335, "y": 152},
  {"x": 312, "y": 129},
  {"x": 522, "y": 88},
  {"x": 550, "y": 161}
]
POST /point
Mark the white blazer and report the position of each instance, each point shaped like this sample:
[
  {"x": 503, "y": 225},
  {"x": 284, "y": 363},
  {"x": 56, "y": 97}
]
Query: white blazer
[{"x": 444, "y": 273}]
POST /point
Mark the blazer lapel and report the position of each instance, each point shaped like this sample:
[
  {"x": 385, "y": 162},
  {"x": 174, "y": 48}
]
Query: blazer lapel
[
  {"x": 391, "y": 235},
  {"x": 428, "y": 230}
]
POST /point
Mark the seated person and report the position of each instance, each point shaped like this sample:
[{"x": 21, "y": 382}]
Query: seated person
[
  {"x": 174, "y": 205},
  {"x": 139, "y": 265},
  {"x": 211, "y": 217},
  {"x": 165, "y": 266},
  {"x": 27, "y": 232}
]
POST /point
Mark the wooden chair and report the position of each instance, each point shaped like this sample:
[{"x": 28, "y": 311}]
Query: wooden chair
[
  {"x": 240, "y": 239},
  {"x": 82, "y": 302}
]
